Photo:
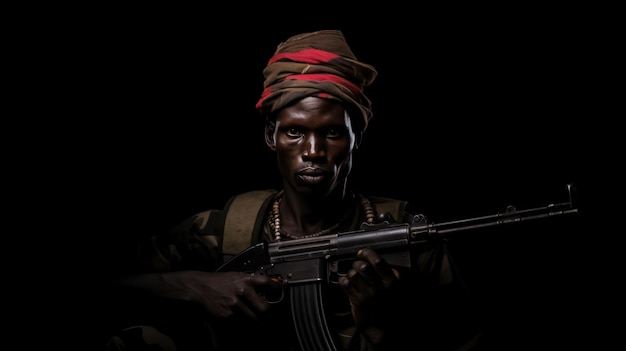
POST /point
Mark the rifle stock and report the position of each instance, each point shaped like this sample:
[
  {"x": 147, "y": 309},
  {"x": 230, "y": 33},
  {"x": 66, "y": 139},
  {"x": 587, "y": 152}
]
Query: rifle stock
[{"x": 303, "y": 265}]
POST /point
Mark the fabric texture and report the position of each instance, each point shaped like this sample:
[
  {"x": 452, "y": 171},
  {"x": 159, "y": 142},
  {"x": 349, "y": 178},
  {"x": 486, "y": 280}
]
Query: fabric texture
[
  {"x": 194, "y": 244},
  {"x": 317, "y": 64}
]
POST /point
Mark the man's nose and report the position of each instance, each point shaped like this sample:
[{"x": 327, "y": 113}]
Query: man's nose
[{"x": 314, "y": 147}]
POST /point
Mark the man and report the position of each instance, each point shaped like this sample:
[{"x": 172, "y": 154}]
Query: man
[{"x": 185, "y": 298}]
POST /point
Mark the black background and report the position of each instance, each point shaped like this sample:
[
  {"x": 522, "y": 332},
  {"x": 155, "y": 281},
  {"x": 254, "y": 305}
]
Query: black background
[
  {"x": 473, "y": 111},
  {"x": 467, "y": 115}
]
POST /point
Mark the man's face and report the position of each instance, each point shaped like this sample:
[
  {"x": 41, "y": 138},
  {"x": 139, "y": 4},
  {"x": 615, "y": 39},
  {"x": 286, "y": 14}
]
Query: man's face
[{"x": 313, "y": 140}]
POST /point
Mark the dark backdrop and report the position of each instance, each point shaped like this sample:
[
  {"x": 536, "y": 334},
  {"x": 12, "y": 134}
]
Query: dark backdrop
[
  {"x": 464, "y": 117},
  {"x": 470, "y": 114}
]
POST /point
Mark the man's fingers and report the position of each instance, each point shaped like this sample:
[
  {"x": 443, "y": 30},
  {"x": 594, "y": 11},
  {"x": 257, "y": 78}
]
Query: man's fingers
[
  {"x": 261, "y": 281},
  {"x": 381, "y": 268}
]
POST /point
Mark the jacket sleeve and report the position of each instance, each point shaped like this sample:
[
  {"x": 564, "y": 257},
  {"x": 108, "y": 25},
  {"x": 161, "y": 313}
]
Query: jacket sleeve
[{"x": 192, "y": 244}]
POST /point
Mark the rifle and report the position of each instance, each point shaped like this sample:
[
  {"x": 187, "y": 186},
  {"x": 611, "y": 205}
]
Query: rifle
[{"x": 303, "y": 265}]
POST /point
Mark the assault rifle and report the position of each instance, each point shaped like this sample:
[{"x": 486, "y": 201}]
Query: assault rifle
[{"x": 303, "y": 265}]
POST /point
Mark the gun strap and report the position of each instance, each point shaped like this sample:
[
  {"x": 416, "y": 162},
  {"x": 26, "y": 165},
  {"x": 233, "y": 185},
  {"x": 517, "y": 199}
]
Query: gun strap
[{"x": 239, "y": 225}]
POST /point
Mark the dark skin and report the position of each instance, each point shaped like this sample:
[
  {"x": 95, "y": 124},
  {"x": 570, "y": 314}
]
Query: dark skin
[{"x": 314, "y": 141}]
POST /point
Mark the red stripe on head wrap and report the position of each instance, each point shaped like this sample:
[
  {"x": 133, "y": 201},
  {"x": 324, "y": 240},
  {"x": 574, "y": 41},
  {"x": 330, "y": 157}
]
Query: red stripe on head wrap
[
  {"x": 316, "y": 64},
  {"x": 312, "y": 56},
  {"x": 267, "y": 92}
]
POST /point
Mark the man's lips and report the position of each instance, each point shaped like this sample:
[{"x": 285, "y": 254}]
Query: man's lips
[
  {"x": 312, "y": 175},
  {"x": 310, "y": 179}
]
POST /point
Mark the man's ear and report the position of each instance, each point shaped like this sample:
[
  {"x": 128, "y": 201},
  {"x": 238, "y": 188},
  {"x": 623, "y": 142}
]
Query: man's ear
[
  {"x": 270, "y": 140},
  {"x": 358, "y": 139}
]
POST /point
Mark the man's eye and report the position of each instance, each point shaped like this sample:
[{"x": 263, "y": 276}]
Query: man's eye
[
  {"x": 333, "y": 133},
  {"x": 292, "y": 132}
]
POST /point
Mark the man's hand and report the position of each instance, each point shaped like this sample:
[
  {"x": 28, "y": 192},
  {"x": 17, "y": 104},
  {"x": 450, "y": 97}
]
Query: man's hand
[
  {"x": 373, "y": 289},
  {"x": 224, "y": 294}
]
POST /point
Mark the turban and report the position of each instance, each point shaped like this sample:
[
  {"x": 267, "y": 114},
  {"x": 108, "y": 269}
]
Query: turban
[{"x": 317, "y": 64}]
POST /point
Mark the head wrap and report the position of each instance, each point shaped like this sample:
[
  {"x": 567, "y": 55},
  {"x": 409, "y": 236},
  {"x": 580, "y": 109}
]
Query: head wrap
[{"x": 316, "y": 64}]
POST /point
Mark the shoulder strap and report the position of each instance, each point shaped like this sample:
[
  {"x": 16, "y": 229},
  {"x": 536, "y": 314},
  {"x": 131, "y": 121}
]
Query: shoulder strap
[{"x": 244, "y": 216}]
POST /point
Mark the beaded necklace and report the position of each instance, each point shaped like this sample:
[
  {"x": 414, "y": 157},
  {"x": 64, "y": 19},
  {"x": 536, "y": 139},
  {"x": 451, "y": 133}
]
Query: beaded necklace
[{"x": 274, "y": 219}]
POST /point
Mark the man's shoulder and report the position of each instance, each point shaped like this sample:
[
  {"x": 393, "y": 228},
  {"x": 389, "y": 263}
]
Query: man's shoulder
[
  {"x": 396, "y": 208},
  {"x": 253, "y": 198},
  {"x": 383, "y": 199},
  {"x": 244, "y": 219}
]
